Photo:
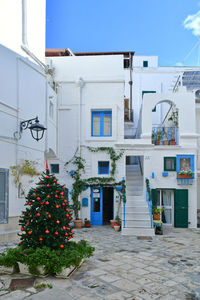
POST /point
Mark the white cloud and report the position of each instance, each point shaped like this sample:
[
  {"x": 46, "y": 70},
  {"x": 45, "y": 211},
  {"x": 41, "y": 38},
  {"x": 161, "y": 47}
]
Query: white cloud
[{"x": 193, "y": 22}]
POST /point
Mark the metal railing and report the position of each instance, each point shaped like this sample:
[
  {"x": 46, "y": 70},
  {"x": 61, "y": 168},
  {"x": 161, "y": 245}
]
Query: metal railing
[
  {"x": 149, "y": 201},
  {"x": 165, "y": 135}
]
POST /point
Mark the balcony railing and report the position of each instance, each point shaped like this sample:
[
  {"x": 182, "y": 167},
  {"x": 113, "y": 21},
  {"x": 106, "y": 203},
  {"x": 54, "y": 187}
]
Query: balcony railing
[{"x": 165, "y": 135}]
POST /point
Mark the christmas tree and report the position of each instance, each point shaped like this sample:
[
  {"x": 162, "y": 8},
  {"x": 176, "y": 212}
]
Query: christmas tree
[{"x": 46, "y": 220}]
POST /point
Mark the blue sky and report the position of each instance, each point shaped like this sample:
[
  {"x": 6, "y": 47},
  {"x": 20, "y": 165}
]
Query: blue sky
[{"x": 167, "y": 28}]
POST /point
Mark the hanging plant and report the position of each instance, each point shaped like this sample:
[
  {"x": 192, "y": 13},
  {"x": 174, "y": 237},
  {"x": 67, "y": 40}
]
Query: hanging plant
[{"x": 26, "y": 167}]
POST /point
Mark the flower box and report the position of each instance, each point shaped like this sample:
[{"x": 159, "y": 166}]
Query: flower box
[
  {"x": 7, "y": 270},
  {"x": 24, "y": 270},
  {"x": 184, "y": 176},
  {"x": 67, "y": 272},
  {"x": 117, "y": 227}
]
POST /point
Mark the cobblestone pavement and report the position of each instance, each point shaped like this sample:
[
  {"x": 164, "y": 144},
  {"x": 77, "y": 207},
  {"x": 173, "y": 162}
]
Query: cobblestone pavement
[{"x": 166, "y": 267}]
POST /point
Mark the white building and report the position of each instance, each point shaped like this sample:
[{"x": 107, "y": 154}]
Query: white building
[
  {"x": 91, "y": 108},
  {"x": 24, "y": 94}
]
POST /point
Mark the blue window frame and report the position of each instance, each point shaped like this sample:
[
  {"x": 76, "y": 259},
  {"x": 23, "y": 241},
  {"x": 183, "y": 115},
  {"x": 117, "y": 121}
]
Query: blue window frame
[
  {"x": 55, "y": 168},
  {"x": 103, "y": 167},
  {"x": 185, "y": 163},
  {"x": 101, "y": 123}
]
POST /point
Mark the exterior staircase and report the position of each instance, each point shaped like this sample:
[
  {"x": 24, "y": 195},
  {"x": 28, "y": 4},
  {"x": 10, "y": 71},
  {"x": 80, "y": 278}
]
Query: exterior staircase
[{"x": 136, "y": 217}]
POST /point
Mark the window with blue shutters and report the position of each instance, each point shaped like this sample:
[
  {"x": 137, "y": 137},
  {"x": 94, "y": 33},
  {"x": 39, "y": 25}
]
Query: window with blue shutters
[
  {"x": 4, "y": 173},
  {"x": 55, "y": 168},
  {"x": 185, "y": 163},
  {"x": 101, "y": 123},
  {"x": 103, "y": 167}
]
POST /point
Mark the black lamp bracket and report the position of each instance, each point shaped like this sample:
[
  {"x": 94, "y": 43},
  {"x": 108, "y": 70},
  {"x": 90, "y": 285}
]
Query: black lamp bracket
[{"x": 24, "y": 124}]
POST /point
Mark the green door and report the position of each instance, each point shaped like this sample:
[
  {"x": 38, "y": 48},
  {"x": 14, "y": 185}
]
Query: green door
[
  {"x": 181, "y": 209},
  {"x": 154, "y": 197}
]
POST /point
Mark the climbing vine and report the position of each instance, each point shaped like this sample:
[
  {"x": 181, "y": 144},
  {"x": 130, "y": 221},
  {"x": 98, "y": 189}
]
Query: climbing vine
[
  {"x": 27, "y": 167},
  {"x": 79, "y": 184}
]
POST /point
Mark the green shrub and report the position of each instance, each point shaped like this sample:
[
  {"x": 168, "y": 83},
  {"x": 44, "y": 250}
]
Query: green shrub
[{"x": 52, "y": 260}]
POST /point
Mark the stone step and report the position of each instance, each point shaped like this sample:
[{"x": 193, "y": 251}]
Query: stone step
[
  {"x": 134, "y": 193},
  {"x": 139, "y": 231},
  {"x": 136, "y": 216},
  {"x": 136, "y": 209},
  {"x": 137, "y": 223}
]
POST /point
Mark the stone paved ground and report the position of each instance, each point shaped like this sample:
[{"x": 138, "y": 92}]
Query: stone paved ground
[{"x": 167, "y": 267}]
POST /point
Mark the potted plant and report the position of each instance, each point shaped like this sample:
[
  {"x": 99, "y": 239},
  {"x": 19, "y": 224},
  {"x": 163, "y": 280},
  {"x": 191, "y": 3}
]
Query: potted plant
[
  {"x": 156, "y": 213},
  {"x": 87, "y": 222},
  {"x": 117, "y": 223},
  {"x": 185, "y": 174},
  {"x": 172, "y": 142}
]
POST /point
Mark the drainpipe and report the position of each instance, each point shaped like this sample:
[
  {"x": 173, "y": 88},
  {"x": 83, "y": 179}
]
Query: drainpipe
[
  {"x": 24, "y": 45},
  {"x": 80, "y": 83},
  {"x": 131, "y": 84}
]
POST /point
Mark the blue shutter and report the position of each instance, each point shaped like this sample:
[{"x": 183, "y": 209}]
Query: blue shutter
[{"x": 4, "y": 195}]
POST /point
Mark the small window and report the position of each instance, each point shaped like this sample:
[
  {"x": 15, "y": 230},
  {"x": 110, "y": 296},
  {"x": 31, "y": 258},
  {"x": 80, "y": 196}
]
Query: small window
[
  {"x": 55, "y": 168},
  {"x": 169, "y": 163},
  {"x": 4, "y": 195},
  {"x": 103, "y": 167},
  {"x": 145, "y": 63},
  {"x": 51, "y": 110},
  {"x": 126, "y": 63},
  {"x": 101, "y": 123}
]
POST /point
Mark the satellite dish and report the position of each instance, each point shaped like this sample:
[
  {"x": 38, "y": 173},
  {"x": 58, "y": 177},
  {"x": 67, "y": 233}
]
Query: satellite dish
[{"x": 197, "y": 94}]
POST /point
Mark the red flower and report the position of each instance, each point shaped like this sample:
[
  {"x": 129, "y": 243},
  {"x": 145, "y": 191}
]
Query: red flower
[
  {"x": 38, "y": 214},
  {"x": 29, "y": 232},
  {"x": 56, "y": 233},
  {"x": 47, "y": 231},
  {"x": 38, "y": 198},
  {"x": 47, "y": 202},
  {"x": 57, "y": 222},
  {"x": 61, "y": 246}
]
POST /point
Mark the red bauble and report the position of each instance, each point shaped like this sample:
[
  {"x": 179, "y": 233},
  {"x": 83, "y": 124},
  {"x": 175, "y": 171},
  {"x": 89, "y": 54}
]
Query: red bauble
[
  {"x": 56, "y": 196},
  {"x": 47, "y": 231},
  {"x": 40, "y": 181},
  {"x": 57, "y": 191},
  {"x": 57, "y": 206},
  {"x": 38, "y": 198},
  {"x": 48, "y": 196},
  {"x": 30, "y": 216},
  {"x": 34, "y": 195},
  {"x": 66, "y": 233},
  {"x": 19, "y": 243},
  {"x": 47, "y": 213},
  {"x": 61, "y": 246},
  {"x": 47, "y": 202},
  {"x": 57, "y": 222},
  {"x": 56, "y": 233},
  {"x": 62, "y": 193},
  {"x": 63, "y": 204},
  {"x": 27, "y": 224},
  {"x": 38, "y": 214},
  {"x": 54, "y": 180},
  {"x": 29, "y": 232},
  {"x": 22, "y": 229},
  {"x": 41, "y": 203},
  {"x": 67, "y": 215},
  {"x": 65, "y": 200},
  {"x": 46, "y": 176},
  {"x": 64, "y": 227},
  {"x": 67, "y": 228},
  {"x": 49, "y": 216},
  {"x": 40, "y": 239},
  {"x": 70, "y": 218},
  {"x": 72, "y": 231},
  {"x": 47, "y": 185},
  {"x": 29, "y": 203}
]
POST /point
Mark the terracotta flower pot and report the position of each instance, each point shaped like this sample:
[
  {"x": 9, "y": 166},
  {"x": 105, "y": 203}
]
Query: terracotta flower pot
[
  {"x": 156, "y": 216},
  {"x": 78, "y": 224},
  {"x": 184, "y": 176}
]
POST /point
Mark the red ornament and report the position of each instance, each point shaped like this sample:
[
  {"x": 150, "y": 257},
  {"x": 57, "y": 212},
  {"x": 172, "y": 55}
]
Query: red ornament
[
  {"x": 34, "y": 195},
  {"x": 29, "y": 203},
  {"x": 61, "y": 197},
  {"x": 48, "y": 196},
  {"x": 47, "y": 185},
  {"x": 61, "y": 246},
  {"x": 46, "y": 177},
  {"x": 70, "y": 210},
  {"x": 49, "y": 216},
  {"x": 72, "y": 236},
  {"x": 57, "y": 206},
  {"x": 38, "y": 214},
  {"x": 67, "y": 228},
  {"x": 22, "y": 229},
  {"x": 30, "y": 216},
  {"x": 47, "y": 202},
  {"x": 41, "y": 203},
  {"x": 62, "y": 193},
  {"x": 47, "y": 231},
  {"x": 57, "y": 222},
  {"x": 68, "y": 238},
  {"x": 67, "y": 215},
  {"x": 70, "y": 218},
  {"x": 56, "y": 233},
  {"x": 56, "y": 196},
  {"x": 38, "y": 198},
  {"x": 40, "y": 181},
  {"x": 72, "y": 231},
  {"x": 29, "y": 232},
  {"x": 64, "y": 227},
  {"x": 19, "y": 243},
  {"x": 63, "y": 204},
  {"x": 65, "y": 200},
  {"x": 27, "y": 224},
  {"x": 54, "y": 180},
  {"x": 40, "y": 239},
  {"x": 66, "y": 233},
  {"x": 57, "y": 191}
]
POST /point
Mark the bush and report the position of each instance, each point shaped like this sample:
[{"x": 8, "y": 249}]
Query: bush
[{"x": 52, "y": 260}]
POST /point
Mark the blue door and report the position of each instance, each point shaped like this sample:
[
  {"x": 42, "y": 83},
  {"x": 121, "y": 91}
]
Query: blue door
[{"x": 96, "y": 206}]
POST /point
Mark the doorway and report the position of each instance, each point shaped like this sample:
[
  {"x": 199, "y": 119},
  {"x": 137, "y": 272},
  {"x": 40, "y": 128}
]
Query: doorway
[
  {"x": 107, "y": 205},
  {"x": 165, "y": 201}
]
